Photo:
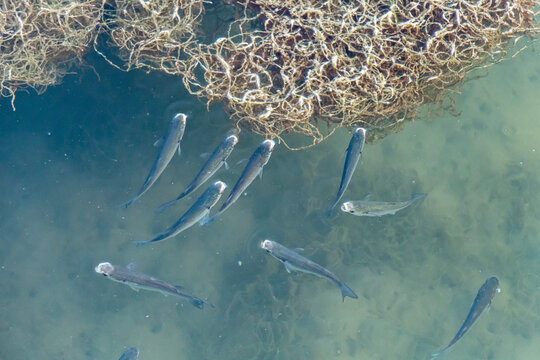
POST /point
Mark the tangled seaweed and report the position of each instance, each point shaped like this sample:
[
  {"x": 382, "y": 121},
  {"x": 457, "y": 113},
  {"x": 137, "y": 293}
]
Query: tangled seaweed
[
  {"x": 152, "y": 34},
  {"x": 40, "y": 40},
  {"x": 285, "y": 64}
]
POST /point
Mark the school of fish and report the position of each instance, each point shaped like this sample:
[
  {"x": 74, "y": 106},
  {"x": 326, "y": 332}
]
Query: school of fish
[{"x": 199, "y": 212}]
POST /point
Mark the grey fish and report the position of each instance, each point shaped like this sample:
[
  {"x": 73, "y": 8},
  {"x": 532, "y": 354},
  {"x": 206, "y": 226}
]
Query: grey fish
[
  {"x": 354, "y": 152},
  {"x": 481, "y": 302},
  {"x": 131, "y": 353},
  {"x": 294, "y": 261},
  {"x": 196, "y": 213},
  {"x": 171, "y": 143},
  {"x": 377, "y": 208},
  {"x": 214, "y": 162},
  {"x": 253, "y": 168},
  {"x": 137, "y": 280}
]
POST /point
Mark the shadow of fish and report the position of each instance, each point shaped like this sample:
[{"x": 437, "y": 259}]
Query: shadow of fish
[
  {"x": 253, "y": 168},
  {"x": 197, "y": 213},
  {"x": 294, "y": 261},
  {"x": 366, "y": 207},
  {"x": 137, "y": 280},
  {"x": 170, "y": 143},
  {"x": 131, "y": 353},
  {"x": 481, "y": 302},
  {"x": 354, "y": 152},
  {"x": 214, "y": 162}
]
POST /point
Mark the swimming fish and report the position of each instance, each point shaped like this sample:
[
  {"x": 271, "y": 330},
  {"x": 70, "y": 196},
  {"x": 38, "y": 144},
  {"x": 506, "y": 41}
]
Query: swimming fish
[
  {"x": 131, "y": 353},
  {"x": 214, "y": 162},
  {"x": 137, "y": 280},
  {"x": 253, "y": 168},
  {"x": 196, "y": 213},
  {"x": 171, "y": 144},
  {"x": 354, "y": 152},
  {"x": 481, "y": 302},
  {"x": 294, "y": 261},
  {"x": 377, "y": 208}
]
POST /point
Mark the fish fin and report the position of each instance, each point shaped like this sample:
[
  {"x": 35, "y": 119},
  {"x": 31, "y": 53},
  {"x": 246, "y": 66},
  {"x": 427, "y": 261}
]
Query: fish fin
[
  {"x": 227, "y": 167},
  {"x": 287, "y": 267},
  {"x": 131, "y": 266},
  {"x": 143, "y": 243},
  {"x": 134, "y": 288},
  {"x": 159, "y": 142},
  {"x": 179, "y": 287},
  {"x": 179, "y": 149},
  {"x": 329, "y": 212},
  {"x": 415, "y": 197},
  {"x": 205, "y": 155},
  {"x": 347, "y": 291},
  {"x": 128, "y": 203},
  {"x": 199, "y": 303},
  {"x": 207, "y": 219},
  {"x": 164, "y": 206},
  {"x": 260, "y": 174},
  {"x": 241, "y": 161},
  {"x": 297, "y": 249},
  {"x": 367, "y": 197}
]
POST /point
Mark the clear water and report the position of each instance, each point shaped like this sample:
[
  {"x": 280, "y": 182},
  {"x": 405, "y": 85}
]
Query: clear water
[{"x": 70, "y": 156}]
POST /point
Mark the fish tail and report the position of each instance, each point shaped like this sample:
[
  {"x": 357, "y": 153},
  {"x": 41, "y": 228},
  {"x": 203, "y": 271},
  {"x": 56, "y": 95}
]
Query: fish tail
[
  {"x": 208, "y": 219},
  {"x": 143, "y": 243},
  {"x": 164, "y": 206},
  {"x": 199, "y": 303},
  {"x": 329, "y": 212},
  {"x": 128, "y": 203},
  {"x": 415, "y": 197},
  {"x": 347, "y": 291}
]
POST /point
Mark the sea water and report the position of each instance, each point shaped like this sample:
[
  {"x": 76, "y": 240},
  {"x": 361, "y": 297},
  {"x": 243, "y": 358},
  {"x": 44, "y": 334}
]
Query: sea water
[{"x": 69, "y": 157}]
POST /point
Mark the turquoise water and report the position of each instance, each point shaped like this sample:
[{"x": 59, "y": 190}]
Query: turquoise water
[{"x": 70, "y": 156}]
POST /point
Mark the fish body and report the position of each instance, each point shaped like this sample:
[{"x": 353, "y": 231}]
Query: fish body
[
  {"x": 253, "y": 168},
  {"x": 378, "y": 208},
  {"x": 137, "y": 280},
  {"x": 354, "y": 152},
  {"x": 214, "y": 162},
  {"x": 481, "y": 302},
  {"x": 131, "y": 353},
  {"x": 294, "y": 261},
  {"x": 196, "y": 213},
  {"x": 171, "y": 144}
]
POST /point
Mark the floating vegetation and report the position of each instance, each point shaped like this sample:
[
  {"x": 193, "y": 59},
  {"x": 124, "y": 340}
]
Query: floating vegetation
[
  {"x": 40, "y": 40},
  {"x": 286, "y": 64},
  {"x": 283, "y": 66}
]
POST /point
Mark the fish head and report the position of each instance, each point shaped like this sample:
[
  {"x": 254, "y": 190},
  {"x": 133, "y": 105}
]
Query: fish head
[
  {"x": 267, "y": 245},
  {"x": 268, "y": 145},
  {"x": 347, "y": 207},
  {"x": 232, "y": 140},
  {"x": 178, "y": 123},
  {"x": 104, "y": 268},
  {"x": 360, "y": 131},
  {"x": 221, "y": 186}
]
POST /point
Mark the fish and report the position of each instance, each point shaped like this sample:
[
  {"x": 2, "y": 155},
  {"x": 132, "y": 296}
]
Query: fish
[
  {"x": 214, "y": 162},
  {"x": 294, "y": 261},
  {"x": 198, "y": 212},
  {"x": 131, "y": 353},
  {"x": 366, "y": 207},
  {"x": 481, "y": 302},
  {"x": 253, "y": 168},
  {"x": 354, "y": 152},
  {"x": 136, "y": 280},
  {"x": 170, "y": 144}
]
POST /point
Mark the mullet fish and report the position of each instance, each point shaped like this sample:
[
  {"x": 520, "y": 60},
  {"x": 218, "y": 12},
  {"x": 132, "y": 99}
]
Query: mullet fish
[
  {"x": 131, "y": 353},
  {"x": 481, "y": 302},
  {"x": 198, "y": 212},
  {"x": 171, "y": 144},
  {"x": 354, "y": 152},
  {"x": 253, "y": 168},
  {"x": 137, "y": 280},
  {"x": 214, "y": 162},
  {"x": 366, "y": 207},
  {"x": 294, "y": 261}
]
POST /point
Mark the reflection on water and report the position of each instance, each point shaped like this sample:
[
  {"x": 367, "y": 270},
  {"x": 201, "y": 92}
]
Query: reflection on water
[{"x": 70, "y": 156}]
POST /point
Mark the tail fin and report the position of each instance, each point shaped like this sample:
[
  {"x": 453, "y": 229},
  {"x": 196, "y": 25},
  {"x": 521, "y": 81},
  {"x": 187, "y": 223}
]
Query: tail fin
[
  {"x": 347, "y": 291},
  {"x": 199, "y": 303},
  {"x": 164, "y": 206},
  {"x": 208, "y": 219},
  {"x": 415, "y": 197},
  {"x": 329, "y": 212}
]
